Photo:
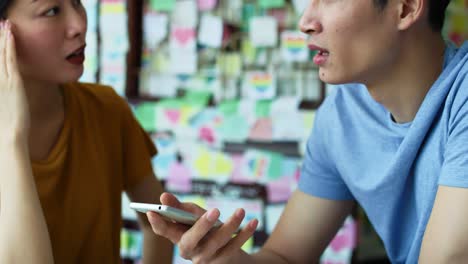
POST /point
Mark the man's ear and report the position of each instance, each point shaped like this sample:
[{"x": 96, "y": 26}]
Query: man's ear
[{"x": 410, "y": 11}]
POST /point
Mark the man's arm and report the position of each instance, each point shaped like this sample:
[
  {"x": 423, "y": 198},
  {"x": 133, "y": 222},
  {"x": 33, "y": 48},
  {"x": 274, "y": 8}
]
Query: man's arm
[
  {"x": 446, "y": 236},
  {"x": 156, "y": 249},
  {"x": 305, "y": 229},
  {"x": 24, "y": 237}
]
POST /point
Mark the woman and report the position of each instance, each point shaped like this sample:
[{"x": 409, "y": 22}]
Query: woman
[{"x": 69, "y": 149}]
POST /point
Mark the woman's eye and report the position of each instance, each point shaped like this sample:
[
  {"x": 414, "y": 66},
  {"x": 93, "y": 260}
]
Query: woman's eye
[
  {"x": 52, "y": 12},
  {"x": 77, "y": 2}
]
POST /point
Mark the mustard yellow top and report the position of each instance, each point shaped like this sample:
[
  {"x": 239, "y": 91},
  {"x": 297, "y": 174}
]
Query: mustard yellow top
[{"x": 101, "y": 151}]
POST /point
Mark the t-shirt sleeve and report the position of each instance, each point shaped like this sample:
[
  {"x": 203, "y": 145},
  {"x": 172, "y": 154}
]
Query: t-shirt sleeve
[
  {"x": 138, "y": 150},
  {"x": 319, "y": 176},
  {"x": 454, "y": 171}
]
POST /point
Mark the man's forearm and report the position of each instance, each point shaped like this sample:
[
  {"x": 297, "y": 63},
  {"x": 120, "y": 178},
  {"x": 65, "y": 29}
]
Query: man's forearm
[
  {"x": 264, "y": 256},
  {"x": 156, "y": 249},
  {"x": 24, "y": 236}
]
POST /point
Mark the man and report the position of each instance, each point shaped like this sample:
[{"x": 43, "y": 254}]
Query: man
[{"x": 393, "y": 138}]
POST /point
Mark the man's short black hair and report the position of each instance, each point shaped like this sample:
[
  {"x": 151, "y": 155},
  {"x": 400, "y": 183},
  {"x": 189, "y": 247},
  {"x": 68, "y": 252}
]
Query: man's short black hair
[{"x": 436, "y": 12}]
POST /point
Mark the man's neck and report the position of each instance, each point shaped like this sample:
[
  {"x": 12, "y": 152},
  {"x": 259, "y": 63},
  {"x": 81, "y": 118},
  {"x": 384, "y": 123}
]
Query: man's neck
[{"x": 404, "y": 86}]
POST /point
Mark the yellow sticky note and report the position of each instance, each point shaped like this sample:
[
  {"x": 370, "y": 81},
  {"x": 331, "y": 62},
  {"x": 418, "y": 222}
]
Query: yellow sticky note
[
  {"x": 223, "y": 165},
  {"x": 113, "y": 8},
  {"x": 202, "y": 163}
]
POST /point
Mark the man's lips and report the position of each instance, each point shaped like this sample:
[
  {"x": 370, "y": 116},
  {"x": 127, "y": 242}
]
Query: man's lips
[{"x": 320, "y": 50}]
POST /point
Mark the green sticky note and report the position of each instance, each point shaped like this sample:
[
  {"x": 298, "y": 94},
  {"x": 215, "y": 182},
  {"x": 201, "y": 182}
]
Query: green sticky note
[
  {"x": 197, "y": 98},
  {"x": 145, "y": 114},
  {"x": 262, "y": 108},
  {"x": 162, "y": 5},
  {"x": 249, "y": 52},
  {"x": 172, "y": 103},
  {"x": 271, "y": 3},
  {"x": 275, "y": 168},
  {"x": 229, "y": 107},
  {"x": 234, "y": 128}
]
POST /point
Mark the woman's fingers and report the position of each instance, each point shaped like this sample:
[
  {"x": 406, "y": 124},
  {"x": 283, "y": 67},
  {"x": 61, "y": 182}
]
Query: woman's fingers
[
  {"x": 11, "y": 63},
  {"x": 2, "y": 49}
]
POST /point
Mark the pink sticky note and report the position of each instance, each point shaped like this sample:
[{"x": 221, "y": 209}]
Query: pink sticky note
[
  {"x": 262, "y": 130},
  {"x": 206, "y": 5},
  {"x": 280, "y": 190},
  {"x": 346, "y": 238},
  {"x": 173, "y": 115},
  {"x": 237, "y": 176},
  {"x": 207, "y": 134},
  {"x": 179, "y": 178}
]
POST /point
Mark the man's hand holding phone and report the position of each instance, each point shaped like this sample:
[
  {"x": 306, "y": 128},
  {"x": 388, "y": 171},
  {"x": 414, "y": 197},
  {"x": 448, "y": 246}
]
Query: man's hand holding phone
[{"x": 202, "y": 243}]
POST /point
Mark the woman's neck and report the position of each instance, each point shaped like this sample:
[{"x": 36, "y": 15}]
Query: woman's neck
[{"x": 44, "y": 100}]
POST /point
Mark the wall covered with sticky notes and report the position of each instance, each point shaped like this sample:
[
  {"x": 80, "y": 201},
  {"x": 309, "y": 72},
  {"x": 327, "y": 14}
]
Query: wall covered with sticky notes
[{"x": 238, "y": 47}]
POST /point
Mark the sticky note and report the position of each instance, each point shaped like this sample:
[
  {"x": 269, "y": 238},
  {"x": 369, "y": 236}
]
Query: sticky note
[
  {"x": 210, "y": 31},
  {"x": 183, "y": 39},
  {"x": 163, "y": 5},
  {"x": 263, "y": 31},
  {"x": 271, "y": 3},
  {"x": 300, "y": 6},
  {"x": 155, "y": 27},
  {"x": 145, "y": 114},
  {"x": 183, "y": 62},
  {"x": 259, "y": 85},
  {"x": 185, "y": 14},
  {"x": 207, "y": 5},
  {"x": 294, "y": 46}
]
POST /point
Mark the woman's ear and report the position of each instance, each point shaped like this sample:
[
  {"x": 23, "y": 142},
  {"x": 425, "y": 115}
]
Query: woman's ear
[{"x": 410, "y": 11}]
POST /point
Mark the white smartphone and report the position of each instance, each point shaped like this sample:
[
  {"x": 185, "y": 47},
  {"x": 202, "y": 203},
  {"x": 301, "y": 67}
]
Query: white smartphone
[{"x": 168, "y": 212}]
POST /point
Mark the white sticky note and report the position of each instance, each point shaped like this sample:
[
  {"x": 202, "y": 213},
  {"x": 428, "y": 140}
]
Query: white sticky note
[
  {"x": 300, "y": 6},
  {"x": 158, "y": 85},
  {"x": 273, "y": 213},
  {"x": 288, "y": 123},
  {"x": 210, "y": 32},
  {"x": 155, "y": 27},
  {"x": 259, "y": 85},
  {"x": 185, "y": 14},
  {"x": 294, "y": 46},
  {"x": 183, "y": 62},
  {"x": 263, "y": 31}
]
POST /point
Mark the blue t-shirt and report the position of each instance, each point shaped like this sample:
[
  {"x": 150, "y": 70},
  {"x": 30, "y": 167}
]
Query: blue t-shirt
[{"x": 356, "y": 151}]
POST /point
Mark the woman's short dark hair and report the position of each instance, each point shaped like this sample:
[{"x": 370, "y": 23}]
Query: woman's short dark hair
[
  {"x": 436, "y": 12},
  {"x": 4, "y": 5}
]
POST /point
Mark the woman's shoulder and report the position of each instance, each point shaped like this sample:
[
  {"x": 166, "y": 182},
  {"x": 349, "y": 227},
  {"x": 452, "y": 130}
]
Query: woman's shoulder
[{"x": 96, "y": 96}]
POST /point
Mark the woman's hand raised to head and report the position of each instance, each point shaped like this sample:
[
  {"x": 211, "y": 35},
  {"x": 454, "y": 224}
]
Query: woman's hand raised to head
[
  {"x": 202, "y": 243},
  {"x": 14, "y": 112}
]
